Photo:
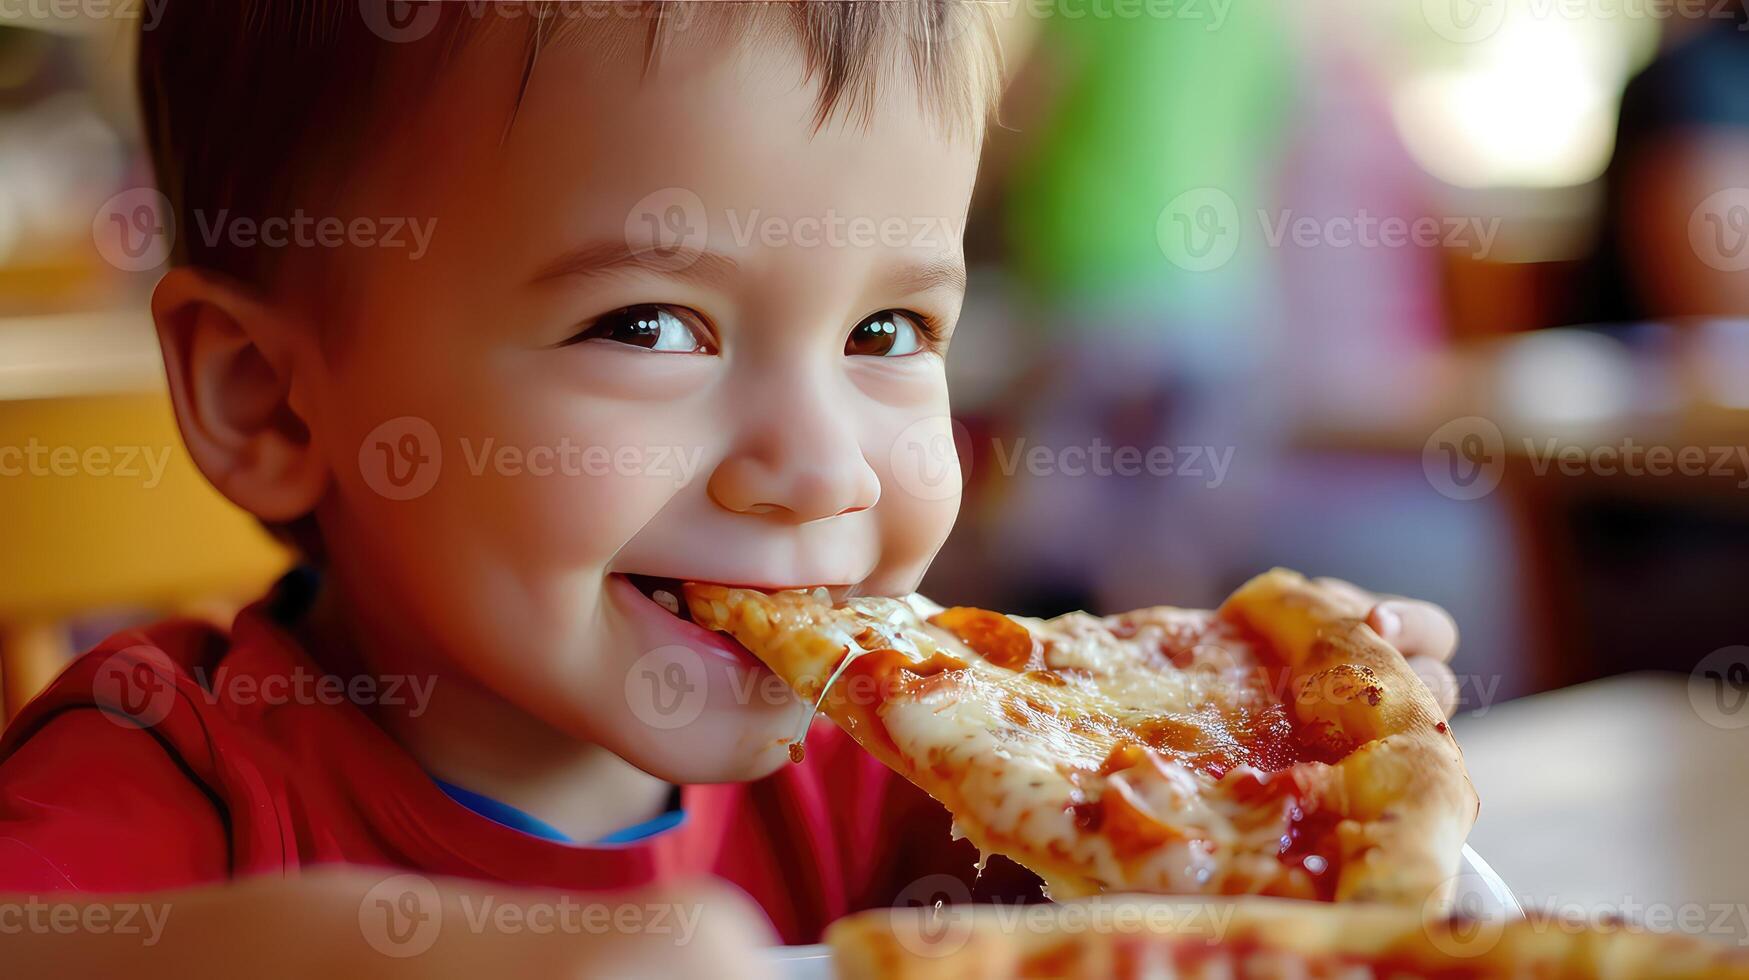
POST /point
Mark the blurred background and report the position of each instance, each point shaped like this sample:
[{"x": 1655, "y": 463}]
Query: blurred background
[{"x": 1446, "y": 297}]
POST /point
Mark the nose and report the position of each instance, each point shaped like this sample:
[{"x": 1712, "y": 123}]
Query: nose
[{"x": 796, "y": 459}]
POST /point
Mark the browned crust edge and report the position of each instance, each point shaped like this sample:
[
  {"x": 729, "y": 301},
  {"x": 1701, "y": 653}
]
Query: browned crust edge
[{"x": 1406, "y": 786}]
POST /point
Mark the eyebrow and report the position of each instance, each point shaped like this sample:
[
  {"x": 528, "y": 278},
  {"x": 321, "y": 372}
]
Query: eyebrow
[
  {"x": 934, "y": 274},
  {"x": 604, "y": 258},
  {"x": 717, "y": 270}
]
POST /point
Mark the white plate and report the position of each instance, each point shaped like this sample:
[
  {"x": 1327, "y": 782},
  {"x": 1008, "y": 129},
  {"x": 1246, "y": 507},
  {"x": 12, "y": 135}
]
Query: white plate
[{"x": 1479, "y": 894}]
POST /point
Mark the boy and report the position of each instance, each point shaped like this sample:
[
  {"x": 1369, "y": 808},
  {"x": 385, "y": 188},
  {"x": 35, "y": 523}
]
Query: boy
[{"x": 691, "y": 273}]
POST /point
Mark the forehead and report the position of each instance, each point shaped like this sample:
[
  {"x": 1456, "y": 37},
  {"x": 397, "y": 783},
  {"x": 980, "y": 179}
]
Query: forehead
[{"x": 594, "y": 147}]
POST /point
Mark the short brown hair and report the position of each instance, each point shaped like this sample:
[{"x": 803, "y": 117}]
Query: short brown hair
[{"x": 251, "y": 106}]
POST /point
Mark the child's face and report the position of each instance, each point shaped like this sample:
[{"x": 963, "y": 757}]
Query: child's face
[{"x": 772, "y": 422}]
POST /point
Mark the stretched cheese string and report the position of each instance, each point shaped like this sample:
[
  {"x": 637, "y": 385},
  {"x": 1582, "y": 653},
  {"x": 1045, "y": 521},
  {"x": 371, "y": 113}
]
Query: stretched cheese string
[{"x": 798, "y": 749}]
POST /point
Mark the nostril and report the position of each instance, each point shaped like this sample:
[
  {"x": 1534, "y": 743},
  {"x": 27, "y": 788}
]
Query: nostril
[{"x": 801, "y": 491}]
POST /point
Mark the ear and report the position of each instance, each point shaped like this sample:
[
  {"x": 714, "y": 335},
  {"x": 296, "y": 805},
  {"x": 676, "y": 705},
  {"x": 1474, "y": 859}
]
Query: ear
[{"x": 236, "y": 366}]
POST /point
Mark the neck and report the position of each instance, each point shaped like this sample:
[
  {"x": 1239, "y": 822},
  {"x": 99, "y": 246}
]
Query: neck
[{"x": 468, "y": 736}]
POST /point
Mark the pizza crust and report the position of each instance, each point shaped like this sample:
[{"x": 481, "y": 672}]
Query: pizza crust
[{"x": 1406, "y": 787}]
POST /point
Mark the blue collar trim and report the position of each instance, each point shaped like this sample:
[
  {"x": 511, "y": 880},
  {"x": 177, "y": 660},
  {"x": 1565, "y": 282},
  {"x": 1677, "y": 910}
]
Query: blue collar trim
[{"x": 503, "y": 813}]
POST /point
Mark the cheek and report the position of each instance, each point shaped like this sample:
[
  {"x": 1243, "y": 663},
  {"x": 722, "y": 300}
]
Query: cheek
[
  {"x": 915, "y": 448},
  {"x": 516, "y": 468}
]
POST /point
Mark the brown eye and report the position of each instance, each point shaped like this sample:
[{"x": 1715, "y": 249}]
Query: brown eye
[
  {"x": 890, "y": 333},
  {"x": 667, "y": 329}
]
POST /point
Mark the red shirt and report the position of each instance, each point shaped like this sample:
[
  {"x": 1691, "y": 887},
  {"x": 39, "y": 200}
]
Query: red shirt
[{"x": 128, "y": 774}]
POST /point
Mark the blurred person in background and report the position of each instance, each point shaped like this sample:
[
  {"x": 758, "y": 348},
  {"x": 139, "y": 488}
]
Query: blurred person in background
[{"x": 1670, "y": 244}]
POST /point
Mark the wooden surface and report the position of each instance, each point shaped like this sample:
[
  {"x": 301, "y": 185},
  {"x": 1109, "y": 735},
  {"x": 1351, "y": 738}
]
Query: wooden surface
[{"x": 1616, "y": 793}]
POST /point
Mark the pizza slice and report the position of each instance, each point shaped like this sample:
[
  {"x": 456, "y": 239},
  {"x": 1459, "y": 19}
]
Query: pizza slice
[
  {"x": 1256, "y": 939},
  {"x": 1275, "y": 747}
]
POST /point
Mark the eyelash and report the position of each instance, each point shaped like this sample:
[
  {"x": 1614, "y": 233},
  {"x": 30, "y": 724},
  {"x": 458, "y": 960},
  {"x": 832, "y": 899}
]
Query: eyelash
[
  {"x": 934, "y": 332},
  {"x": 931, "y": 328}
]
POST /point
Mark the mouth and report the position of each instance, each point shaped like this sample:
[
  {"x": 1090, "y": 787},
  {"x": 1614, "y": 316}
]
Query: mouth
[
  {"x": 657, "y": 602},
  {"x": 664, "y": 592},
  {"x": 668, "y": 592}
]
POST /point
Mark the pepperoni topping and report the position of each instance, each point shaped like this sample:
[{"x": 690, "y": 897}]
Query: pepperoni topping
[
  {"x": 1217, "y": 743},
  {"x": 1129, "y": 823},
  {"x": 995, "y": 637},
  {"x": 886, "y": 664}
]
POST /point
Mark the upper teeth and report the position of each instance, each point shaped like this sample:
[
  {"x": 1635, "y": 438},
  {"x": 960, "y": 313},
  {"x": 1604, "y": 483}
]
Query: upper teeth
[{"x": 666, "y": 600}]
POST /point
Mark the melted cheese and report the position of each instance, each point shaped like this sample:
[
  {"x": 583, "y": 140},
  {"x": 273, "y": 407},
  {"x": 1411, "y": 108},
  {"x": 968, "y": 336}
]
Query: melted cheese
[
  {"x": 1024, "y": 752},
  {"x": 1151, "y": 751}
]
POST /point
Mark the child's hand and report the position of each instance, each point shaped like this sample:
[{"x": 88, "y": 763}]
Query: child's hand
[{"x": 1422, "y": 632}]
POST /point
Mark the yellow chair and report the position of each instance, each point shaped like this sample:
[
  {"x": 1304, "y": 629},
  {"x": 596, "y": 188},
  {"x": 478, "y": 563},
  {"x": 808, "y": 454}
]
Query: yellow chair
[{"x": 100, "y": 507}]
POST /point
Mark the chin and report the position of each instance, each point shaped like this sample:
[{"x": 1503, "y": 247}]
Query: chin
[
  {"x": 686, "y": 704},
  {"x": 713, "y": 750}
]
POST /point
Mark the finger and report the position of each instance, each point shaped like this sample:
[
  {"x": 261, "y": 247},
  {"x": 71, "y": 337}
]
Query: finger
[
  {"x": 1416, "y": 628},
  {"x": 1438, "y": 677}
]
